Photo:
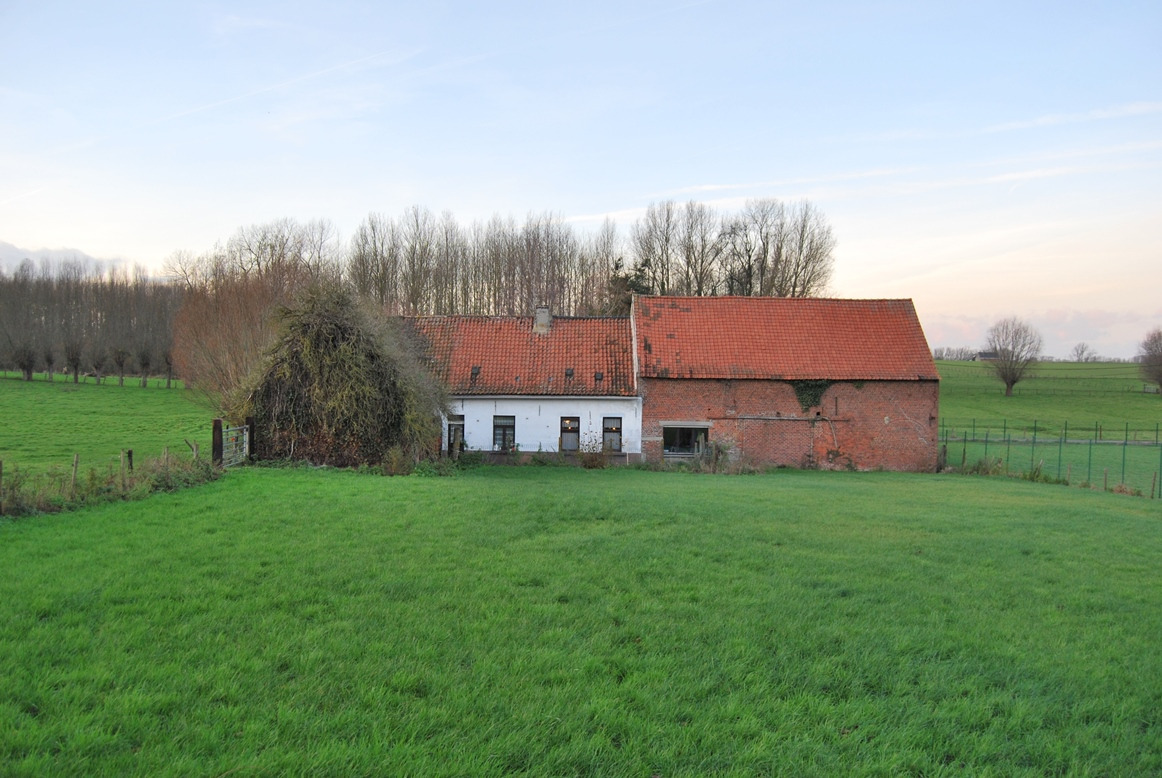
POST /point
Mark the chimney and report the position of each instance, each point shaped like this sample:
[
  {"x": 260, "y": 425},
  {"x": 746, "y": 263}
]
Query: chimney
[{"x": 543, "y": 320}]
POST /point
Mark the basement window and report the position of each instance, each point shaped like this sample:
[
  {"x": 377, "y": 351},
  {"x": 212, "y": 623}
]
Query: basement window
[
  {"x": 503, "y": 433},
  {"x": 683, "y": 441}
]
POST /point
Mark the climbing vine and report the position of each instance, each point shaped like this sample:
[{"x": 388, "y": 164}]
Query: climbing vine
[{"x": 810, "y": 392}]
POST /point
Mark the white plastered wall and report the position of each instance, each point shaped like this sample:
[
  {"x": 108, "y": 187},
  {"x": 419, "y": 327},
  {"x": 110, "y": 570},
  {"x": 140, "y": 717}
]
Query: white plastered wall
[{"x": 538, "y": 420}]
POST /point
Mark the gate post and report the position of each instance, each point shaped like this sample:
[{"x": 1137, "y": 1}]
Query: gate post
[
  {"x": 250, "y": 438},
  {"x": 216, "y": 444}
]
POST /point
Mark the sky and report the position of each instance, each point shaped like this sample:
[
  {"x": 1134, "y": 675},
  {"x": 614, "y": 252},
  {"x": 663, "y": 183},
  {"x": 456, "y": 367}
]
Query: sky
[{"x": 985, "y": 159}]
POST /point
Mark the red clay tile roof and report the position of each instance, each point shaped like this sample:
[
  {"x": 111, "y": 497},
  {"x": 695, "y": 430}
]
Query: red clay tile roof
[
  {"x": 512, "y": 359},
  {"x": 780, "y": 338}
]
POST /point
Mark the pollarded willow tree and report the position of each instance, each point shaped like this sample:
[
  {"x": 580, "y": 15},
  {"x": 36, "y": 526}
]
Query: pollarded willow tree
[
  {"x": 1150, "y": 354},
  {"x": 340, "y": 387},
  {"x": 1017, "y": 347}
]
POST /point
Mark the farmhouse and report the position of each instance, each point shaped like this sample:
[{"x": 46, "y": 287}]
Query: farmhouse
[
  {"x": 787, "y": 381},
  {"x": 799, "y": 382},
  {"x": 543, "y": 383}
]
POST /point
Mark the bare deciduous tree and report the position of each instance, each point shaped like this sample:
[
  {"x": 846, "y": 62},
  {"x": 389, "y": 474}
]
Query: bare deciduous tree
[
  {"x": 1150, "y": 354},
  {"x": 1017, "y": 346},
  {"x": 656, "y": 245},
  {"x": 1083, "y": 352}
]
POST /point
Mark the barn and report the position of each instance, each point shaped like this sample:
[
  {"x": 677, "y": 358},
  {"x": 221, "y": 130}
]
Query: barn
[{"x": 803, "y": 382}]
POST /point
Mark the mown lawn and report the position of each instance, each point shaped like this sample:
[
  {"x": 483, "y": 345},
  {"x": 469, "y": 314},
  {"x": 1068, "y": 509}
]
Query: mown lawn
[{"x": 547, "y": 621}]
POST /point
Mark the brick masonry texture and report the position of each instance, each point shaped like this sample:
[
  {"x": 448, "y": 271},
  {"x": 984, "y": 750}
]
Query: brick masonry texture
[{"x": 864, "y": 425}]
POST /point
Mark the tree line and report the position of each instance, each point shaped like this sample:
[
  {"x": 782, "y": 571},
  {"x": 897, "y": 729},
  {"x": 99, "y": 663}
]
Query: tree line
[
  {"x": 76, "y": 318},
  {"x": 212, "y": 315}
]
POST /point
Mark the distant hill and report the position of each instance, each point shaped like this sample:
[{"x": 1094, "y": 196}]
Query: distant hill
[{"x": 11, "y": 256}]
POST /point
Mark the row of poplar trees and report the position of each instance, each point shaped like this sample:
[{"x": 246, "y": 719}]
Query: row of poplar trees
[{"x": 211, "y": 318}]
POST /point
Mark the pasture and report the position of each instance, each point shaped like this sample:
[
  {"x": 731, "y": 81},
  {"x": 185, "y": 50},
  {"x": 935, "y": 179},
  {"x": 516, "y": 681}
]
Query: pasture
[
  {"x": 551, "y": 621},
  {"x": 555, "y": 621},
  {"x": 1085, "y": 423},
  {"x": 47, "y": 422}
]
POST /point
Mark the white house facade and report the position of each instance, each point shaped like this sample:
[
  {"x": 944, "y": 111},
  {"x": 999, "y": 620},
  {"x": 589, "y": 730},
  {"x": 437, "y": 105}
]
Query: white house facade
[{"x": 548, "y": 424}]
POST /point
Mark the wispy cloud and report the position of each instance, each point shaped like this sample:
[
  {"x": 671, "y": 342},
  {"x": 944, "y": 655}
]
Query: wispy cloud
[
  {"x": 1099, "y": 114},
  {"x": 384, "y": 57},
  {"x": 914, "y": 134},
  {"x": 23, "y": 195},
  {"x": 785, "y": 182}
]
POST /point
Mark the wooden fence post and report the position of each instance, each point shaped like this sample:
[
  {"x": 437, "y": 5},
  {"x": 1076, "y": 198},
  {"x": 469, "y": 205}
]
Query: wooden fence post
[
  {"x": 216, "y": 444},
  {"x": 251, "y": 438},
  {"x": 1, "y": 487},
  {"x": 73, "y": 483}
]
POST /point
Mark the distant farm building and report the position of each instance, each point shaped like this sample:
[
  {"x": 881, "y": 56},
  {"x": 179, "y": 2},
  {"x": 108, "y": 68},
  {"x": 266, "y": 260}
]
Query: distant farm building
[{"x": 778, "y": 381}]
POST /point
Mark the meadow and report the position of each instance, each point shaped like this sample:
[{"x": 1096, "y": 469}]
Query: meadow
[
  {"x": 558, "y": 621},
  {"x": 47, "y": 422},
  {"x": 1085, "y": 394},
  {"x": 1085, "y": 423}
]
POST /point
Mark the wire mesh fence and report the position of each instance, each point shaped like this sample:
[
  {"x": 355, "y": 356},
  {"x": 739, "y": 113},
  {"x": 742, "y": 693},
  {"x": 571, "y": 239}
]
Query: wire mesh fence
[{"x": 1110, "y": 456}]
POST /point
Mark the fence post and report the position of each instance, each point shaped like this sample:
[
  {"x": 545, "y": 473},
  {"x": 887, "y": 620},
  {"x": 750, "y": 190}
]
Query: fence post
[
  {"x": 73, "y": 483},
  {"x": 1060, "y": 454},
  {"x": 1033, "y": 449},
  {"x": 1125, "y": 447},
  {"x": 251, "y": 439},
  {"x": 216, "y": 444},
  {"x": 1089, "y": 467},
  {"x": 1, "y": 487}
]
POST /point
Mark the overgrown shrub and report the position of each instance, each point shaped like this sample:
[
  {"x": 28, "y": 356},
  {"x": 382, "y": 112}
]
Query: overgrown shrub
[{"x": 341, "y": 387}]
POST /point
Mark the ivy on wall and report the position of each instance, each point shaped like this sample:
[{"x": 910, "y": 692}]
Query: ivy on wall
[{"x": 810, "y": 392}]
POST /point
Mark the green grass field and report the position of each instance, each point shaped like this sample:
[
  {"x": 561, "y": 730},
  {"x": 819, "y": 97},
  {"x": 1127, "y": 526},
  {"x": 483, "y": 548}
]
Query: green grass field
[
  {"x": 1082, "y": 394},
  {"x": 548, "y": 621},
  {"x": 47, "y": 422},
  {"x": 1067, "y": 405}
]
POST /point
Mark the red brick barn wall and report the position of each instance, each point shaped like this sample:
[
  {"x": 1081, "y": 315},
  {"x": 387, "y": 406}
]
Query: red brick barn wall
[{"x": 865, "y": 425}]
